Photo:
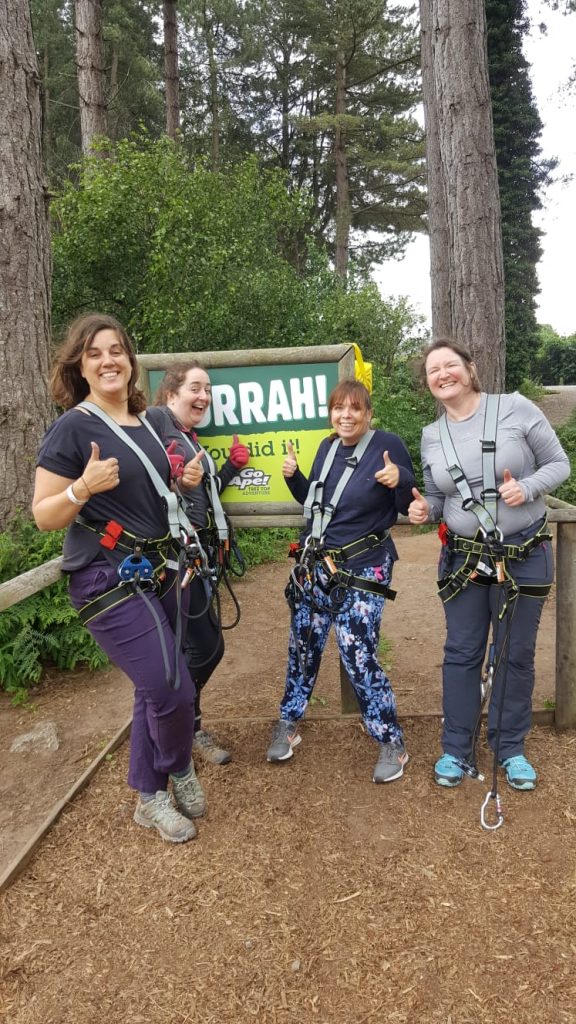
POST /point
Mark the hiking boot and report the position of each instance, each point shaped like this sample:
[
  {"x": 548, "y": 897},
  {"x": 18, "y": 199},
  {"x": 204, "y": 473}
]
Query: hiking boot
[
  {"x": 284, "y": 738},
  {"x": 206, "y": 746},
  {"x": 391, "y": 762},
  {"x": 447, "y": 771},
  {"x": 519, "y": 772},
  {"x": 188, "y": 794},
  {"x": 161, "y": 814}
]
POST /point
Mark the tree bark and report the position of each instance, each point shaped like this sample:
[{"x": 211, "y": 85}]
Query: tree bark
[
  {"x": 172, "y": 81},
  {"x": 90, "y": 70},
  {"x": 343, "y": 213},
  {"x": 25, "y": 408},
  {"x": 467, "y": 275}
]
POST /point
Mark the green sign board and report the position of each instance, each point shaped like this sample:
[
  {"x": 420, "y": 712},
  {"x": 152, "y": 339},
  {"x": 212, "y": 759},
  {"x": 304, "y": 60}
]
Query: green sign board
[{"x": 269, "y": 398}]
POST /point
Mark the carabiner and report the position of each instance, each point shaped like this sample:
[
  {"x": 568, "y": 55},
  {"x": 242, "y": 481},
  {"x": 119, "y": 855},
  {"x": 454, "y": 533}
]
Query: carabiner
[{"x": 500, "y": 817}]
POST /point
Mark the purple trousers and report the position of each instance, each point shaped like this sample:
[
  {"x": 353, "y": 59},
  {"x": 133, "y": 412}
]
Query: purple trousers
[{"x": 163, "y": 722}]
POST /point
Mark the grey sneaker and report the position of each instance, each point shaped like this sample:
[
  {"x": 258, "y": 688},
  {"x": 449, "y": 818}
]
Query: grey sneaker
[
  {"x": 207, "y": 747},
  {"x": 161, "y": 814},
  {"x": 284, "y": 738},
  {"x": 391, "y": 762},
  {"x": 188, "y": 794}
]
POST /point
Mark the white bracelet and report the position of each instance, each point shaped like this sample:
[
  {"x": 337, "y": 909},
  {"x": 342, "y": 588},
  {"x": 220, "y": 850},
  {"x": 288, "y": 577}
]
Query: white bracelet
[{"x": 72, "y": 497}]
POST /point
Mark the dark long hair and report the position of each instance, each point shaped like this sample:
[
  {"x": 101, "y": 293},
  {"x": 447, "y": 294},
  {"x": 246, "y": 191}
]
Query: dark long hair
[{"x": 67, "y": 385}]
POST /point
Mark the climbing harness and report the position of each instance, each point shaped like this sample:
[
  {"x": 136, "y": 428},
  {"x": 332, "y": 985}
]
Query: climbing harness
[
  {"x": 486, "y": 562},
  {"x": 319, "y": 575}
]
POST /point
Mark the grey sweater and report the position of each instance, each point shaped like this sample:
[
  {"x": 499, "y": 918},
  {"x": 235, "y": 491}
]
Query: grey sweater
[{"x": 525, "y": 444}]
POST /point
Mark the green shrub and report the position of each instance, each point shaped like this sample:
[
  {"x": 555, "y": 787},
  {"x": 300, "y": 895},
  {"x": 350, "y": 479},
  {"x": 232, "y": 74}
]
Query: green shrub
[
  {"x": 44, "y": 629},
  {"x": 567, "y": 438}
]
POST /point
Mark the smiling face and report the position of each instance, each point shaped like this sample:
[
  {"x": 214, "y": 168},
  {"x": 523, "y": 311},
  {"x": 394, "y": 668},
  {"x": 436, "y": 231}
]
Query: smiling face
[
  {"x": 106, "y": 368},
  {"x": 349, "y": 420},
  {"x": 190, "y": 402},
  {"x": 448, "y": 376}
]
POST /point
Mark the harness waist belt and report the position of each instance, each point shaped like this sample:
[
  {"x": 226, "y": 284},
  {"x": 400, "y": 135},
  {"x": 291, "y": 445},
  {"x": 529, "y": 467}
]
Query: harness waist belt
[
  {"x": 123, "y": 539},
  {"x": 344, "y": 554},
  {"x": 465, "y": 545}
]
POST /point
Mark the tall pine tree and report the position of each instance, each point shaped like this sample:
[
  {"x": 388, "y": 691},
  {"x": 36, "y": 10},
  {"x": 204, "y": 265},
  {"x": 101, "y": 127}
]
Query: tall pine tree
[{"x": 521, "y": 174}]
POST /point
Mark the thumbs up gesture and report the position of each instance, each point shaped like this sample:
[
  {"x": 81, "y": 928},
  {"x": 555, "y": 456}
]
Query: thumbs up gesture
[
  {"x": 510, "y": 490},
  {"x": 239, "y": 453},
  {"x": 390, "y": 475},
  {"x": 290, "y": 464},
  {"x": 100, "y": 474},
  {"x": 193, "y": 471},
  {"x": 418, "y": 509}
]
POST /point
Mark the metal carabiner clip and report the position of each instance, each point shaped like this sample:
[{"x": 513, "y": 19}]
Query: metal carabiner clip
[{"x": 499, "y": 815}]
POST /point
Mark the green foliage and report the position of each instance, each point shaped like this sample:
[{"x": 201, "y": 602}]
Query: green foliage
[
  {"x": 264, "y": 545},
  {"x": 401, "y": 406},
  {"x": 521, "y": 175},
  {"x": 193, "y": 260},
  {"x": 567, "y": 437},
  {"x": 531, "y": 389},
  {"x": 555, "y": 361},
  {"x": 43, "y": 629}
]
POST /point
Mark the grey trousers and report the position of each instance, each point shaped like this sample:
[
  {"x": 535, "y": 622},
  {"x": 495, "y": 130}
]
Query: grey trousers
[{"x": 469, "y": 616}]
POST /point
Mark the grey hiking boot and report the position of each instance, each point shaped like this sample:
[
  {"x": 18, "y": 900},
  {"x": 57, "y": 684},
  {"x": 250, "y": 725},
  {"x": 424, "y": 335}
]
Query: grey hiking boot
[
  {"x": 188, "y": 794},
  {"x": 161, "y": 814},
  {"x": 207, "y": 747},
  {"x": 284, "y": 738},
  {"x": 391, "y": 762}
]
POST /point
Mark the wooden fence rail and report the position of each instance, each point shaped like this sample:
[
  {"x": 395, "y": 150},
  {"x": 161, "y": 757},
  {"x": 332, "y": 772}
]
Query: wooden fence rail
[{"x": 559, "y": 512}]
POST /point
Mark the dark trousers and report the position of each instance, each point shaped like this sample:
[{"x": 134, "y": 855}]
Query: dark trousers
[
  {"x": 469, "y": 617},
  {"x": 204, "y": 643},
  {"x": 163, "y": 722}
]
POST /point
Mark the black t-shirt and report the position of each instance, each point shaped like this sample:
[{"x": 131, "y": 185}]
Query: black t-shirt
[{"x": 134, "y": 503}]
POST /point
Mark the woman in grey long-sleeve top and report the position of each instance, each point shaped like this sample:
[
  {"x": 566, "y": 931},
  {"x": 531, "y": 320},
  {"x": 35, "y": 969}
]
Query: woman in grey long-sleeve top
[{"x": 501, "y": 578}]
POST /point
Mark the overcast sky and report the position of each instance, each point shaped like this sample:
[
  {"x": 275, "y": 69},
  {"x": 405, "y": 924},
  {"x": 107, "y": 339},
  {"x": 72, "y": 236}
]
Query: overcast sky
[{"x": 552, "y": 58}]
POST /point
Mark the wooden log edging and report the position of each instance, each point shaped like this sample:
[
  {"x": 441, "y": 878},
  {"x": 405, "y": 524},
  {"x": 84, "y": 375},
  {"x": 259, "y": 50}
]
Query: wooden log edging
[{"x": 28, "y": 851}]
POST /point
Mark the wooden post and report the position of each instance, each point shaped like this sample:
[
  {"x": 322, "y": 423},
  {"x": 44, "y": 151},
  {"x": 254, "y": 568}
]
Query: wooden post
[
  {"x": 348, "y": 703},
  {"x": 565, "y": 717}
]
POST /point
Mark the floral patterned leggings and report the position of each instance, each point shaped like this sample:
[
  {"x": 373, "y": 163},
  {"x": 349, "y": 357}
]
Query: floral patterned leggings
[{"x": 357, "y": 626}]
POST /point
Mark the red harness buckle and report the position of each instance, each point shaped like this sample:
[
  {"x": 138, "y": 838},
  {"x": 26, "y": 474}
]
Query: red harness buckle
[{"x": 112, "y": 533}]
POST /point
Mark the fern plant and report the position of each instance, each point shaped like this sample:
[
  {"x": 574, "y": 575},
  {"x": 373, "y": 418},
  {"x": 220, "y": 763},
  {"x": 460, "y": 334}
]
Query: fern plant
[{"x": 44, "y": 629}]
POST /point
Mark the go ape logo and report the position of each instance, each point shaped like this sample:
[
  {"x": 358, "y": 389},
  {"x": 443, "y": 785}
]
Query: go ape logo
[{"x": 250, "y": 477}]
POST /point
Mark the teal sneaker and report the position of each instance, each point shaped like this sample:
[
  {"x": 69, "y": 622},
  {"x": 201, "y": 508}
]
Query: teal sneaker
[
  {"x": 447, "y": 771},
  {"x": 519, "y": 772}
]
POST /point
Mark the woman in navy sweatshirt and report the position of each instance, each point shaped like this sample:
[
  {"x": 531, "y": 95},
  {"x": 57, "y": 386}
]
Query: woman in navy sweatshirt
[{"x": 360, "y": 480}]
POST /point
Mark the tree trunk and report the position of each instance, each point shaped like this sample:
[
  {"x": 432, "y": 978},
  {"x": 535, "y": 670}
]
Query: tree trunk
[
  {"x": 25, "y": 409},
  {"x": 464, "y": 203},
  {"x": 90, "y": 70},
  {"x": 208, "y": 27},
  {"x": 343, "y": 214},
  {"x": 172, "y": 82}
]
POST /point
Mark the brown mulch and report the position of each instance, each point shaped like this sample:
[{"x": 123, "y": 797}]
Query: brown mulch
[{"x": 311, "y": 895}]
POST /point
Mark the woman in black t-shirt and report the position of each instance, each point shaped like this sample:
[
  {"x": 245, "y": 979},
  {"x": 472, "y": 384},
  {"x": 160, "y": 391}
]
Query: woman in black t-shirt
[{"x": 92, "y": 481}]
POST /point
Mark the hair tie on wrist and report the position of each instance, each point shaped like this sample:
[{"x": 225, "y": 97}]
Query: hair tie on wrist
[{"x": 86, "y": 486}]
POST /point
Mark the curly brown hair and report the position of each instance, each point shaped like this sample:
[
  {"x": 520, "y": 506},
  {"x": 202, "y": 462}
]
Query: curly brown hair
[
  {"x": 67, "y": 385},
  {"x": 174, "y": 378}
]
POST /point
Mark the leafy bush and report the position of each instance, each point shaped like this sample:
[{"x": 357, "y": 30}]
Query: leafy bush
[
  {"x": 567, "y": 437},
  {"x": 43, "y": 629},
  {"x": 401, "y": 406}
]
